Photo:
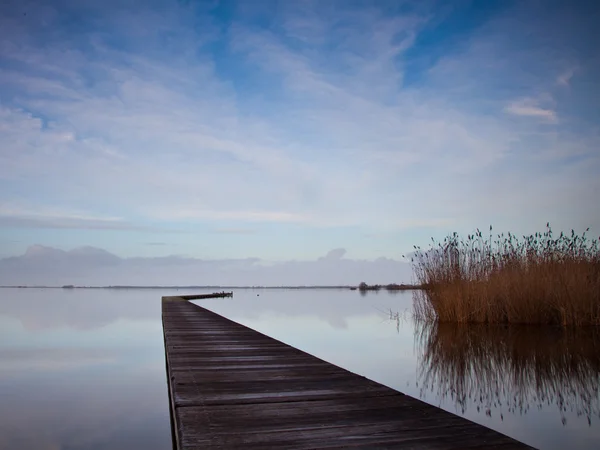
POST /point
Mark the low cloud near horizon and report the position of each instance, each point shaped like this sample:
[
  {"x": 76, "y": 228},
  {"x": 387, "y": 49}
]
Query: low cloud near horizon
[{"x": 90, "y": 266}]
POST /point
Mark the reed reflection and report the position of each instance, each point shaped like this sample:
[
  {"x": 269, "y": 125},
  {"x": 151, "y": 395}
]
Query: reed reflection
[{"x": 512, "y": 369}]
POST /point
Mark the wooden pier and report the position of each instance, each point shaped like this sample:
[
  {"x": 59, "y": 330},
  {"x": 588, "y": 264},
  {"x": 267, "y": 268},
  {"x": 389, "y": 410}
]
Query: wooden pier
[
  {"x": 202, "y": 296},
  {"x": 232, "y": 387}
]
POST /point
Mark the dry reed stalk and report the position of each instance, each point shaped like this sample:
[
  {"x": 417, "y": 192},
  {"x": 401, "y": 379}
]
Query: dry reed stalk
[{"x": 503, "y": 279}]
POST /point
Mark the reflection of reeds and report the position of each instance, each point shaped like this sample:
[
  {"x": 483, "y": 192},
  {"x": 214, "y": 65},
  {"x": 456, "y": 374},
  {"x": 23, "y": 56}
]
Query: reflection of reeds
[
  {"x": 513, "y": 367},
  {"x": 538, "y": 279}
]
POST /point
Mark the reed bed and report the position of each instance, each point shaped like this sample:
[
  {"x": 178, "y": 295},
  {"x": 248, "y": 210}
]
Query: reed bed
[
  {"x": 537, "y": 279},
  {"x": 511, "y": 368}
]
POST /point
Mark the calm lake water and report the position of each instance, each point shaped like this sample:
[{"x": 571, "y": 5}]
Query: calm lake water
[{"x": 85, "y": 369}]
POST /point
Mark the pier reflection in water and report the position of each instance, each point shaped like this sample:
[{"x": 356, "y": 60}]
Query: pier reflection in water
[{"x": 511, "y": 369}]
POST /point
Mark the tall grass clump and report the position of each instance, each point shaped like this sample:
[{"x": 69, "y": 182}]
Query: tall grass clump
[{"x": 538, "y": 279}]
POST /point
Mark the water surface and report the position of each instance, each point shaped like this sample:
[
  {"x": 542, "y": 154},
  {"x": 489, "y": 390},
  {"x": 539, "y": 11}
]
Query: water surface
[{"x": 85, "y": 368}]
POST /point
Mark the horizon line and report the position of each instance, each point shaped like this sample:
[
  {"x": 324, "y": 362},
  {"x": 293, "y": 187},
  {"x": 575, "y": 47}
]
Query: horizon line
[{"x": 194, "y": 286}]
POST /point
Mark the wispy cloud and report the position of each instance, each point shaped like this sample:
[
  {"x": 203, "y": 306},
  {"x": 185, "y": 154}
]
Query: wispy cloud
[
  {"x": 530, "y": 108},
  {"x": 68, "y": 223},
  {"x": 22, "y": 218},
  {"x": 245, "y": 216},
  {"x": 564, "y": 78},
  {"x": 48, "y": 219},
  {"x": 240, "y": 231}
]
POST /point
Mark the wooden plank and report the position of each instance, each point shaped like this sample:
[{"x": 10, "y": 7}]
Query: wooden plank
[
  {"x": 203, "y": 296},
  {"x": 233, "y": 387}
]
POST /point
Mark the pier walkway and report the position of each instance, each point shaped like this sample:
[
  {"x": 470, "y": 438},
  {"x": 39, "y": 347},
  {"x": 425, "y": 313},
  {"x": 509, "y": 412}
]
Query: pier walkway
[{"x": 232, "y": 387}]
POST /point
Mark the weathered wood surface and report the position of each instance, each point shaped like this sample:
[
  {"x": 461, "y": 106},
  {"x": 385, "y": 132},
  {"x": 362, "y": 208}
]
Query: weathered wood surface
[
  {"x": 232, "y": 387},
  {"x": 201, "y": 296}
]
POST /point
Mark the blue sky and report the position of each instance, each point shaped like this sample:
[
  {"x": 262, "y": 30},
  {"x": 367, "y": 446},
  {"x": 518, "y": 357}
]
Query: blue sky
[{"x": 282, "y": 130}]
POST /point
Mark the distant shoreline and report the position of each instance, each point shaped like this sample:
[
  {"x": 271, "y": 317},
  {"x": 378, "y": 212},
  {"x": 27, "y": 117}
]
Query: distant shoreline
[
  {"x": 68, "y": 287},
  {"x": 176, "y": 287}
]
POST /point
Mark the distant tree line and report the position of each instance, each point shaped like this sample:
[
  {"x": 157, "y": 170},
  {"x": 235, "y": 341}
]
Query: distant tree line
[{"x": 390, "y": 287}]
